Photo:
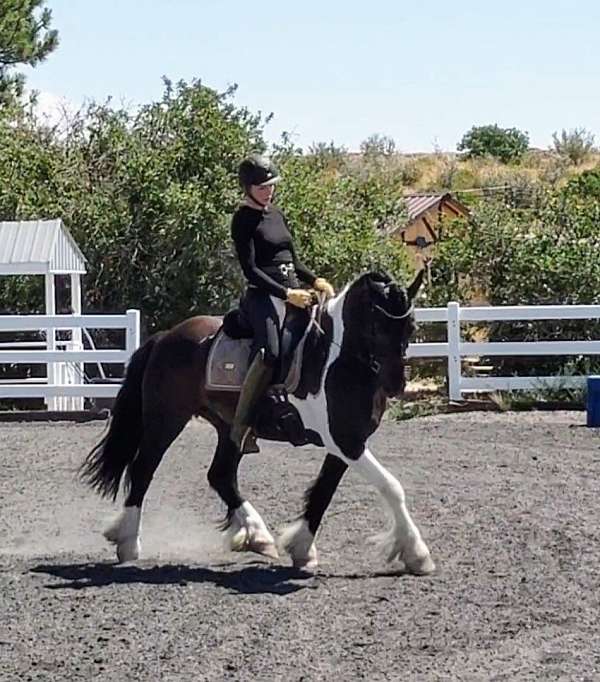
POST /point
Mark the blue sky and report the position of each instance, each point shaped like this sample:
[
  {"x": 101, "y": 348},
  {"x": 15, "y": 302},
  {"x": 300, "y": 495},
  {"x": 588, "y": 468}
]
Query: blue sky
[{"x": 422, "y": 73}]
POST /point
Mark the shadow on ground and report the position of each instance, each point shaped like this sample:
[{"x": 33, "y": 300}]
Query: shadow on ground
[{"x": 255, "y": 579}]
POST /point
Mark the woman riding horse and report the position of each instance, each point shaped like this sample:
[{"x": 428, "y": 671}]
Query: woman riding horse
[
  {"x": 266, "y": 253},
  {"x": 353, "y": 360}
]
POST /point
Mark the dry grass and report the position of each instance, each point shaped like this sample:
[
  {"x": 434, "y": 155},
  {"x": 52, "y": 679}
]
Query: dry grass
[{"x": 450, "y": 172}]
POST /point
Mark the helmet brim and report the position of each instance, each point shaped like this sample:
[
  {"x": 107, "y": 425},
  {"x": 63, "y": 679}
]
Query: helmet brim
[{"x": 270, "y": 181}]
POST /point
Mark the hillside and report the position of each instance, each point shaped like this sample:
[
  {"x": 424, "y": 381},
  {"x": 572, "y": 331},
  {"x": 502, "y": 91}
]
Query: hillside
[{"x": 447, "y": 171}]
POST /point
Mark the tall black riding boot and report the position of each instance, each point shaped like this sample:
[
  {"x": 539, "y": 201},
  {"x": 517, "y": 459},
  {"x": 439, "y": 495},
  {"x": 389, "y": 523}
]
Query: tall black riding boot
[{"x": 255, "y": 383}]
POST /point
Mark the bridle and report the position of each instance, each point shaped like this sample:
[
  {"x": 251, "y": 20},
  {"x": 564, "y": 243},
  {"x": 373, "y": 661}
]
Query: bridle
[
  {"x": 370, "y": 360},
  {"x": 394, "y": 317}
]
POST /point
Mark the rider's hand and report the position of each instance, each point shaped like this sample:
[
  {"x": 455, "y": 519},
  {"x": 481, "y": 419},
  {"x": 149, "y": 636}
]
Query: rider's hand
[
  {"x": 299, "y": 297},
  {"x": 321, "y": 284}
]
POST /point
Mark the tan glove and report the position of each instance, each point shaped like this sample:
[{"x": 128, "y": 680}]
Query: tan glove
[
  {"x": 321, "y": 284},
  {"x": 299, "y": 297}
]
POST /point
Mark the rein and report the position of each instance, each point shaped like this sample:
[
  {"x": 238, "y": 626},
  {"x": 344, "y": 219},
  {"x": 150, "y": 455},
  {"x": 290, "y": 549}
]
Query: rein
[{"x": 395, "y": 317}]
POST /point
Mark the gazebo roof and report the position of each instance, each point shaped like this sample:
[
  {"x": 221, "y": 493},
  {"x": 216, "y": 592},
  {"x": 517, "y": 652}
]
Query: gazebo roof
[{"x": 38, "y": 247}]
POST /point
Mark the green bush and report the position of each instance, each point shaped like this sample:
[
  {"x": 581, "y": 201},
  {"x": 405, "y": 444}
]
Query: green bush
[
  {"x": 340, "y": 219},
  {"x": 149, "y": 196},
  {"x": 505, "y": 144},
  {"x": 586, "y": 185},
  {"x": 546, "y": 254}
]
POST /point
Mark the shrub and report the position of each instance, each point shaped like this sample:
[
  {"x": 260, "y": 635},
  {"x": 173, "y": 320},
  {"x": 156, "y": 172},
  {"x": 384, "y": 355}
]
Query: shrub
[
  {"x": 586, "y": 185},
  {"x": 574, "y": 145},
  {"x": 505, "y": 144}
]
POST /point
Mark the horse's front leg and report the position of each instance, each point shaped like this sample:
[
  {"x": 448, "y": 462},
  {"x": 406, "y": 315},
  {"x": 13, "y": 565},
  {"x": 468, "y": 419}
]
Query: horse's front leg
[
  {"x": 298, "y": 539},
  {"x": 245, "y": 531},
  {"x": 403, "y": 541}
]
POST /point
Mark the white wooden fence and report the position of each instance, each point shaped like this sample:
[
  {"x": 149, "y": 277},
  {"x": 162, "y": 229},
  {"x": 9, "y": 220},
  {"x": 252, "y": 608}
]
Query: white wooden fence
[
  {"x": 65, "y": 378},
  {"x": 64, "y": 386},
  {"x": 455, "y": 349}
]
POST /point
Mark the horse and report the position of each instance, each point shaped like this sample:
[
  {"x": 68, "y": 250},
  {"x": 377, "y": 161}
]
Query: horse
[{"x": 353, "y": 361}]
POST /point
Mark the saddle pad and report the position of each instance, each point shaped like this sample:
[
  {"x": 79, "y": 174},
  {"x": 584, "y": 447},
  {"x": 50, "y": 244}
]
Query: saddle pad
[{"x": 227, "y": 363}]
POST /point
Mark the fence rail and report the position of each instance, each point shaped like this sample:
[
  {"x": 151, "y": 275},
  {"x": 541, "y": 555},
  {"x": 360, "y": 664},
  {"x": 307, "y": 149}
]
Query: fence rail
[
  {"x": 64, "y": 386},
  {"x": 455, "y": 349},
  {"x": 65, "y": 367}
]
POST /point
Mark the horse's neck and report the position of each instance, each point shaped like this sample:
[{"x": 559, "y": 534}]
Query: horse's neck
[
  {"x": 334, "y": 308},
  {"x": 343, "y": 335}
]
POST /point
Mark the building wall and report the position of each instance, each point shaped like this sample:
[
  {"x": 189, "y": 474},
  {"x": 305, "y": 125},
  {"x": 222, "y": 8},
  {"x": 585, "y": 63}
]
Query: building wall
[{"x": 419, "y": 228}]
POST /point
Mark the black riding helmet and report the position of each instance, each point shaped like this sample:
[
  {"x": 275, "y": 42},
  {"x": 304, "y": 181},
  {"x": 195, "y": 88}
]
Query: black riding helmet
[{"x": 257, "y": 170}]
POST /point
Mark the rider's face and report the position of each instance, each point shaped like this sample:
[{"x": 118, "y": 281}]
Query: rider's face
[{"x": 262, "y": 193}]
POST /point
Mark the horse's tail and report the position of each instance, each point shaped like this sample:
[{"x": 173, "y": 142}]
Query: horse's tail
[{"x": 105, "y": 464}]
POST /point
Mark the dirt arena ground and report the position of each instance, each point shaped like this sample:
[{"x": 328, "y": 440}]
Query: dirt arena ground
[{"x": 508, "y": 503}]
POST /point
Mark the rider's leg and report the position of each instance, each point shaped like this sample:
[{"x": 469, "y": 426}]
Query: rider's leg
[
  {"x": 295, "y": 323},
  {"x": 263, "y": 316}
]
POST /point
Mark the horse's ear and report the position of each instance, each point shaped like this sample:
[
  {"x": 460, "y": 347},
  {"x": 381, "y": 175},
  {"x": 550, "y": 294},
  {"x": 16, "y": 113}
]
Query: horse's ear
[{"x": 415, "y": 285}]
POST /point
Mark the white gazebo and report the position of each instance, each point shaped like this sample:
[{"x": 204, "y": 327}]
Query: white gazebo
[{"x": 44, "y": 247}]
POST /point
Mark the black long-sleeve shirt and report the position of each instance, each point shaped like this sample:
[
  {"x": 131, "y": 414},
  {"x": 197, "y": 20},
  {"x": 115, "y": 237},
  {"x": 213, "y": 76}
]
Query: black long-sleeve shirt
[{"x": 263, "y": 243}]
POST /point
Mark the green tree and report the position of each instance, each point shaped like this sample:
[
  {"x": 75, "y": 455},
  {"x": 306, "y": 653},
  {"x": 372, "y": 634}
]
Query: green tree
[
  {"x": 25, "y": 39},
  {"x": 147, "y": 195},
  {"x": 504, "y": 144},
  {"x": 544, "y": 255},
  {"x": 326, "y": 149}
]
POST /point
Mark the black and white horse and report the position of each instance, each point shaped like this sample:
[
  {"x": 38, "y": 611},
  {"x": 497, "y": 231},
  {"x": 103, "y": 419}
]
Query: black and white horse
[{"x": 353, "y": 360}]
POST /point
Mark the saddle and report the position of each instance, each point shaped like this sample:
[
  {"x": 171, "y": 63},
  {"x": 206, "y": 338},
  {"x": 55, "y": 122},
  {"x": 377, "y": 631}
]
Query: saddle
[{"x": 229, "y": 354}]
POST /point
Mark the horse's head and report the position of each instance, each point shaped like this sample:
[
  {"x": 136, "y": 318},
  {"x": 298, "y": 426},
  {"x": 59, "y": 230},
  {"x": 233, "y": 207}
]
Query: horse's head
[{"x": 380, "y": 320}]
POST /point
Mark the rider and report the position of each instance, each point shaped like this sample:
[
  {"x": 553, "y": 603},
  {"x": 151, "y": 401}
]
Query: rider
[{"x": 268, "y": 259}]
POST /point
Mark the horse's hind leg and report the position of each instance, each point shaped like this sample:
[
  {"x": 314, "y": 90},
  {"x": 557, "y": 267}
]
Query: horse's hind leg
[
  {"x": 160, "y": 430},
  {"x": 298, "y": 539},
  {"x": 245, "y": 529}
]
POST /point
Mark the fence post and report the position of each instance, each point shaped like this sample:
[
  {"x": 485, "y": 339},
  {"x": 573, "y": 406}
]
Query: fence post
[
  {"x": 51, "y": 367},
  {"x": 454, "y": 361},
  {"x": 132, "y": 333},
  {"x": 77, "y": 369}
]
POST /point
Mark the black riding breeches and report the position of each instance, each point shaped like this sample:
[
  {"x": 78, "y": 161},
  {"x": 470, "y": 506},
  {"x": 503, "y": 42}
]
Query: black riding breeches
[{"x": 259, "y": 310}]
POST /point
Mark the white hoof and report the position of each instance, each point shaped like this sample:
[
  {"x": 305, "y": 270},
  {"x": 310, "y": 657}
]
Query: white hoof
[
  {"x": 112, "y": 533},
  {"x": 268, "y": 549},
  {"x": 421, "y": 566},
  {"x": 417, "y": 559},
  {"x": 129, "y": 550},
  {"x": 241, "y": 540},
  {"x": 236, "y": 539},
  {"x": 299, "y": 543},
  {"x": 248, "y": 533},
  {"x": 125, "y": 533},
  {"x": 308, "y": 562}
]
